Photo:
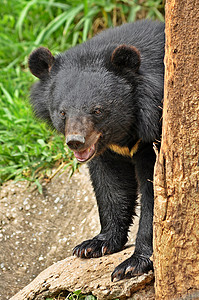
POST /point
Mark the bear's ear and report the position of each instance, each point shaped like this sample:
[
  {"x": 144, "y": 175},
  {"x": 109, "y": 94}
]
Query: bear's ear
[
  {"x": 40, "y": 62},
  {"x": 125, "y": 56}
]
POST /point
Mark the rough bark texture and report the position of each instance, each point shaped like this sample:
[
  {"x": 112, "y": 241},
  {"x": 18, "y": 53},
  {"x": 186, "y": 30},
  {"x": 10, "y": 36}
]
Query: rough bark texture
[{"x": 176, "y": 221}]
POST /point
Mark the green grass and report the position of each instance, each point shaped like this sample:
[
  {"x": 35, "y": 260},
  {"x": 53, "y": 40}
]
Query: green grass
[{"x": 28, "y": 148}]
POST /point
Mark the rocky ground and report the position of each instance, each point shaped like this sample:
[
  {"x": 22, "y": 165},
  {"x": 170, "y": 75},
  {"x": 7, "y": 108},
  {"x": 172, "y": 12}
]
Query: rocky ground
[{"x": 38, "y": 230}]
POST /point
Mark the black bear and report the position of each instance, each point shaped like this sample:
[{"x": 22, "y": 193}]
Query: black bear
[{"x": 105, "y": 96}]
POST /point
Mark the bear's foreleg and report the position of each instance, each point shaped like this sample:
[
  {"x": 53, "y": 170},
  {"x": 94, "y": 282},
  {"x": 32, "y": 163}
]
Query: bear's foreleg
[
  {"x": 140, "y": 262},
  {"x": 115, "y": 186}
]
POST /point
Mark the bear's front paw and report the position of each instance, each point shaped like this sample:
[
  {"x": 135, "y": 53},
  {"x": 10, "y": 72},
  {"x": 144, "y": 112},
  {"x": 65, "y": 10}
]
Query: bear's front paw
[
  {"x": 95, "y": 248},
  {"x": 133, "y": 266}
]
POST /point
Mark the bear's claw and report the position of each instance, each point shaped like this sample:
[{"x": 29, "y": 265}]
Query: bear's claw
[
  {"x": 133, "y": 266},
  {"x": 95, "y": 248}
]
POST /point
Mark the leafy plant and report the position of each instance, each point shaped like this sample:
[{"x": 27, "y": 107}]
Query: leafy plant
[{"x": 77, "y": 295}]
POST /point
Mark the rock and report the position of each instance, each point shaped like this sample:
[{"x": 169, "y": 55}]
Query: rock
[{"x": 88, "y": 275}]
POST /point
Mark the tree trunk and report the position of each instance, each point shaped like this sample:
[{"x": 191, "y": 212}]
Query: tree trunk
[{"x": 176, "y": 180}]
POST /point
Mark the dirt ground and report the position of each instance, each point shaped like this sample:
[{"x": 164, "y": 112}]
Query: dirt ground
[{"x": 38, "y": 230}]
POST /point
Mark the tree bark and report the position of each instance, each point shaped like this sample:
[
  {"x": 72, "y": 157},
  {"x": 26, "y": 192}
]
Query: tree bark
[{"x": 176, "y": 179}]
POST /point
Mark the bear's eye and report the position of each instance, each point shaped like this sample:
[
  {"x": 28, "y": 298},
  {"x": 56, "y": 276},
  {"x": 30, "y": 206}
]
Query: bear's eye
[
  {"x": 62, "y": 114},
  {"x": 97, "y": 111}
]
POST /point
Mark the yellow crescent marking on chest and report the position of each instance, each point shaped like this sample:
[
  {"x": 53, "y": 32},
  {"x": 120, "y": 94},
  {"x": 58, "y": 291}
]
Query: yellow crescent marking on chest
[{"x": 124, "y": 151}]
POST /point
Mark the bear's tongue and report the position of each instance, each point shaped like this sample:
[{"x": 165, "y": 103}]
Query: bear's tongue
[{"x": 83, "y": 156}]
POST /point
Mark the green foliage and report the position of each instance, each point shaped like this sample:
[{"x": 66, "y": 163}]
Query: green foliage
[
  {"x": 28, "y": 147},
  {"x": 77, "y": 295}
]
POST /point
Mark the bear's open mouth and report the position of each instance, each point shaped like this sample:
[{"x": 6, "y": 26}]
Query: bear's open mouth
[{"x": 85, "y": 155}]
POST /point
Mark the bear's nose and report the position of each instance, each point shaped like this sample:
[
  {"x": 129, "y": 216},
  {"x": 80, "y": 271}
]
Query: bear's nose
[{"x": 75, "y": 142}]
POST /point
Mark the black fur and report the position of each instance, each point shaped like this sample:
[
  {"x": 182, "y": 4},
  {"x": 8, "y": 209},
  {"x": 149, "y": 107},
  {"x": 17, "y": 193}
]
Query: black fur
[{"x": 106, "y": 95}]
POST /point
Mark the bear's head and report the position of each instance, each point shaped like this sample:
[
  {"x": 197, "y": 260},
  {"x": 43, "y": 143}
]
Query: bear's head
[{"x": 90, "y": 98}]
